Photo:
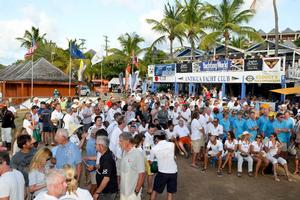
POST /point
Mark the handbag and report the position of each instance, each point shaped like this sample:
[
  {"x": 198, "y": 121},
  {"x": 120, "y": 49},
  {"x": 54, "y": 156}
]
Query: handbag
[
  {"x": 292, "y": 149},
  {"x": 154, "y": 167}
]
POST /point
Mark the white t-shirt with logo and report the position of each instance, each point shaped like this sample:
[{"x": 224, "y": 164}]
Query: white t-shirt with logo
[
  {"x": 231, "y": 145},
  {"x": 256, "y": 147},
  {"x": 216, "y": 131},
  {"x": 214, "y": 149},
  {"x": 244, "y": 145}
]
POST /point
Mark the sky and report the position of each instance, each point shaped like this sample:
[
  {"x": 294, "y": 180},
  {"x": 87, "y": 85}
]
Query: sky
[{"x": 92, "y": 19}]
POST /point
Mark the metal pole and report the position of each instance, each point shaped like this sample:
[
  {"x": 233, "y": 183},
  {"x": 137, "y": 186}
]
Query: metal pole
[
  {"x": 32, "y": 77},
  {"x": 101, "y": 89},
  {"x": 70, "y": 71}
]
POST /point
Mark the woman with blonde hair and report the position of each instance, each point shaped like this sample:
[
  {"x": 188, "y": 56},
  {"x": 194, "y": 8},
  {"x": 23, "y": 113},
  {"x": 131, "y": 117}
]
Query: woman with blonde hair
[
  {"x": 73, "y": 191},
  {"x": 39, "y": 165},
  {"x": 27, "y": 123}
]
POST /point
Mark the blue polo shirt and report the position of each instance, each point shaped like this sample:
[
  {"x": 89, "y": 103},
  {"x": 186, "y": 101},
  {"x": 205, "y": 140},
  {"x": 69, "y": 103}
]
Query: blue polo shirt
[
  {"x": 289, "y": 124},
  {"x": 91, "y": 151},
  {"x": 231, "y": 119},
  {"x": 67, "y": 154},
  {"x": 282, "y": 136},
  {"x": 226, "y": 125},
  {"x": 250, "y": 123},
  {"x": 239, "y": 126},
  {"x": 218, "y": 116},
  {"x": 269, "y": 129},
  {"x": 262, "y": 123}
]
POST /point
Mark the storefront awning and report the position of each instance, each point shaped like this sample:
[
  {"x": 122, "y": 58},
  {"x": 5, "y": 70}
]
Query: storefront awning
[{"x": 286, "y": 91}]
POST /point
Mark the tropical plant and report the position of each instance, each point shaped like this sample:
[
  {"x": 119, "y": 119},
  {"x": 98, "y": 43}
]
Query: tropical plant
[
  {"x": 170, "y": 27},
  {"x": 226, "y": 20},
  {"x": 240, "y": 42},
  {"x": 195, "y": 19},
  {"x": 253, "y": 7},
  {"x": 29, "y": 36}
]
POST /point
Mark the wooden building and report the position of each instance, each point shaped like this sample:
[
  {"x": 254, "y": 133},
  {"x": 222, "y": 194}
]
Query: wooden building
[{"x": 15, "y": 81}]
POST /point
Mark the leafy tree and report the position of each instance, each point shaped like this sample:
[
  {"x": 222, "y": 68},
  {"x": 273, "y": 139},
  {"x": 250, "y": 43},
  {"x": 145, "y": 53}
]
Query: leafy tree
[
  {"x": 227, "y": 19},
  {"x": 240, "y": 42},
  {"x": 170, "y": 27},
  {"x": 297, "y": 42},
  {"x": 33, "y": 34}
]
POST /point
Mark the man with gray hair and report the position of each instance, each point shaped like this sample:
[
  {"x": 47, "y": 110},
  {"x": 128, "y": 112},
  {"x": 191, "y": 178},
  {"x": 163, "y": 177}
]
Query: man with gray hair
[
  {"x": 56, "y": 185},
  {"x": 132, "y": 169},
  {"x": 107, "y": 173},
  {"x": 67, "y": 152}
]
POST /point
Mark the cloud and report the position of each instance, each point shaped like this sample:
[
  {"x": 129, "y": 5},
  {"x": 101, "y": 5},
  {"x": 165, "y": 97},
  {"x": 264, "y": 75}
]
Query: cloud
[{"x": 10, "y": 50}]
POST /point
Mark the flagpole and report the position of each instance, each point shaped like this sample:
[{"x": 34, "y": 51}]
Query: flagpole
[
  {"x": 70, "y": 71},
  {"x": 101, "y": 80},
  {"x": 31, "y": 76}
]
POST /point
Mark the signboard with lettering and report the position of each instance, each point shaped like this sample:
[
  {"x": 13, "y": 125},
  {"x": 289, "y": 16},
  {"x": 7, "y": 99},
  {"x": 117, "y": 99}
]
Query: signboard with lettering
[
  {"x": 164, "y": 73},
  {"x": 253, "y": 65},
  {"x": 184, "y": 68},
  {"x": 217, "y": 65}
]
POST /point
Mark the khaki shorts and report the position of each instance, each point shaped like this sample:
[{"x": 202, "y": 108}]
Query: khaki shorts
[
  {"x": 93, "y": 178},
  {"x": 196, "y": 145},
  {"x": 284, "y": 147}
]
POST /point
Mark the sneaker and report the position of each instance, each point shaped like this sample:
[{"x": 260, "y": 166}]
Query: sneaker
[
  {"x": 250, "y": 174},
  {"x": 239, "y": 174},
  {"x": 219, "y": 173},
  {"x": 203, "y": 170}
]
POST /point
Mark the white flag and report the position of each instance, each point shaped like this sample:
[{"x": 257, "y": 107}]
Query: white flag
[{"x": 98, "y": 57}]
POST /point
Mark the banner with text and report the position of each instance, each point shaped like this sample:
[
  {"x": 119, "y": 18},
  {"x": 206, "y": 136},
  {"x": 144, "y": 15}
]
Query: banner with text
[{"x": 164, "y": 73}]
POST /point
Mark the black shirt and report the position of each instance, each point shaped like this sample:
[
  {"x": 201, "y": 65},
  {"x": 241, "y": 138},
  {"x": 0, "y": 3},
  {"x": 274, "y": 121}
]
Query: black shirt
[
  {"x": 8, "y": 119},
  {"x": 107, "y": 169}
]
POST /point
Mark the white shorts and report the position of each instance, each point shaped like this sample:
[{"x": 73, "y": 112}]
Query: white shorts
[
  {"x": 131, "y": 197},
  {"x": 6, "y": 134},
  {"x": 273, "y": 160}
]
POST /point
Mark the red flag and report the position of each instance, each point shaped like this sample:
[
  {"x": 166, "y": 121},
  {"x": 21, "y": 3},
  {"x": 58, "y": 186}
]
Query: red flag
[{"x": 135, "y": 60}]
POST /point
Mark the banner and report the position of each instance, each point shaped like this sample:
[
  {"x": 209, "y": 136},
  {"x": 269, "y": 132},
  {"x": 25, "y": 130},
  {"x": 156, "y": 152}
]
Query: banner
[
  {"x": 184, "y": 68},
  {"x": 164, "y": 73},
  {"x": 218, "y": 65},
  {"x": 253, "y": 65},
  {"x": 151, "y": 71},
  {"x": 272, "y": 64}
]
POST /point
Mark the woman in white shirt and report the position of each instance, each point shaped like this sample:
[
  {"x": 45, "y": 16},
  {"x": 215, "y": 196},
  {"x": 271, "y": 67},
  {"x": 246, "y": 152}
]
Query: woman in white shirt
[
  {"x": 39, "y": 165},
  {"x": 244, "y": 154},
  {"x": 73, "y": 191},
  {"x": 230, "y": 147},
  {"x": 27, "y": 123},
  {"x": 273, "y": 148},
  {"x": 258, "y": 155}
]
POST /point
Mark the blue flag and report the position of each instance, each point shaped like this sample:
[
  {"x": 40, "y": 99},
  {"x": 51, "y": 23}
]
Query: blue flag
[{"x": 75, "y": 52}]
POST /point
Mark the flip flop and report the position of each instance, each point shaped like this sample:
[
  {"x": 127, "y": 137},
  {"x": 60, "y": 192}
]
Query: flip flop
[{"x": 194, "y": 166}]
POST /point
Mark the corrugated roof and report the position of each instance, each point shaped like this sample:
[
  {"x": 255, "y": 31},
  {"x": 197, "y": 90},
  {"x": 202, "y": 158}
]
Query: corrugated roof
[
  {"x": 42, "y": 71},
  {"x": 260, "y": 31},
  {"x": 288, "y": 30}
]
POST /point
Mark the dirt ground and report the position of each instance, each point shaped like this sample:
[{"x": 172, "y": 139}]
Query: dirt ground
[{"x": 194, "y": 185}]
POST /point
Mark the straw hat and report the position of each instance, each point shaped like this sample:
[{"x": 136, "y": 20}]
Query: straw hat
[
  {"x": 272, "y": 114},
  {"x": 73, "y": 127},
  {"x": 244, "y": 134}
]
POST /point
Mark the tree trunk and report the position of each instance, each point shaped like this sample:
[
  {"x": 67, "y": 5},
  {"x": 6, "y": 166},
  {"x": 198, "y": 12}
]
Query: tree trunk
[
  {"x": 192, "y": 49},
  {"x": 171, "y": 49},
  {"x": 276, "y": 28},
  {"x": 226, "y": 36}
]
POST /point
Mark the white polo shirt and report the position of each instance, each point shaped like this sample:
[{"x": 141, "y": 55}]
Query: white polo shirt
[
  {"x": 12, "y": 185},
  {"x": 114, "y": 145},
  {"x": 244, "y": 146},
  {"x": 163, "y": 151},
  {"x": 181, "y": 131},
  {"x": 148, "y": 144}
]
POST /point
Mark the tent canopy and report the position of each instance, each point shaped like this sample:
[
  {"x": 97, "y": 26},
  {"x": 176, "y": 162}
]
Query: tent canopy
[{"x": 286, "y": 91}]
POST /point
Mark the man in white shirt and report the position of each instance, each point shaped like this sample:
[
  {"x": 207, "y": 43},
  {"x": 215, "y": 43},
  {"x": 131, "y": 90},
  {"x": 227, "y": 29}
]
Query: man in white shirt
[
  {"x": 114, "y": 145},
  {"x": 163, "y": 151},
  {"x": 215, "y": 128},
  {"x": 214, "y": 150},
  {"x": 113, "y": 125},
  {"x": 183, "y": 132},
  {"x": 12, "y": 183},
  {"x": 56, "y": 185},
  {"x": 197, "y": 137},
  {"x": 111, "y": 112}
]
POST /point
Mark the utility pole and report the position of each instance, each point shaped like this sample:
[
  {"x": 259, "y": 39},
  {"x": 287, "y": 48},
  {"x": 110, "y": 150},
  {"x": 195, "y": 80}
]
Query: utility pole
[{"x": 106, "y": 45}]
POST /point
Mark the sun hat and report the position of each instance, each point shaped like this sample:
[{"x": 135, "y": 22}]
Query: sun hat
[
  {"x": 244, "y": 134},
  {"x": 73, "y": 127}
]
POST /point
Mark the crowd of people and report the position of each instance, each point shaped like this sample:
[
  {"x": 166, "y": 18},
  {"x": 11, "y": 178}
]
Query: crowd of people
[{"x": 118, "y": 148}]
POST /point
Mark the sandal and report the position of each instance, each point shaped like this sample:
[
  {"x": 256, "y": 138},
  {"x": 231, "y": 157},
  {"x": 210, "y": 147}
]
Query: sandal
[{"x": 194, "y": 166}]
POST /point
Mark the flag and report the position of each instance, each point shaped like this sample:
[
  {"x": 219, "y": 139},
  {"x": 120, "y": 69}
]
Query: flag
[
  {"x": 253, "y": 5},
  {"x": 81, "y": 70},
  {"x": 121, "y": 79},
  {"x": 127, "y": 73},
  {"x": 135, "y": 60},
  {"x": 75, "y": 52},
  {"x": 98, "y": 57},
  {"x": 136, "y": 80},
  {"x": 32, "y": 49}
]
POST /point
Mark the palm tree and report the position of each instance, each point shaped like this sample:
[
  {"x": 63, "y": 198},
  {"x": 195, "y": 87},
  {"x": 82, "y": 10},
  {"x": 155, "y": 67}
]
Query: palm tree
[
  {"x": 194, "y": 17},
  {"x": 169, "y": 27},
  {"x": 227, "y": 19},
  {"x": 130, "y": 45},
  {"x": 253, "y": 7},
  {"x": 29, "y": 36},
  {"x": 240, "y": 42}
]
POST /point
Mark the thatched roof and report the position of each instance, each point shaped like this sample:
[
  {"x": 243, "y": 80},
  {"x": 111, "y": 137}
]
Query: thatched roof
[{"x": 42, "y": 71}]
